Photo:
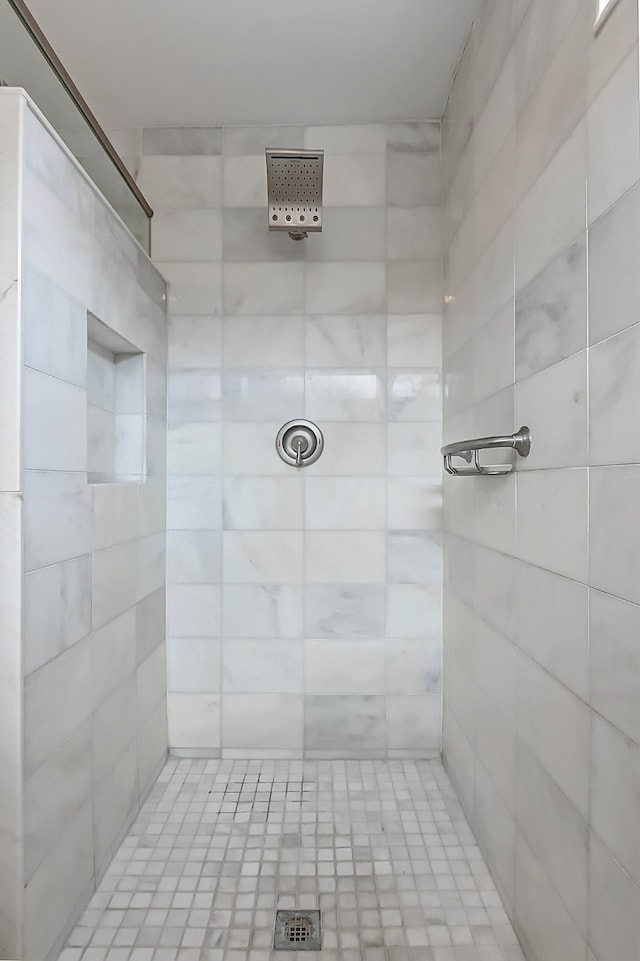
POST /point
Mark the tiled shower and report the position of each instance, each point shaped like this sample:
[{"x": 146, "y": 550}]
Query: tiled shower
[
  {"x": 407, "y": 702},
  {"x": 304, "y": 607}
]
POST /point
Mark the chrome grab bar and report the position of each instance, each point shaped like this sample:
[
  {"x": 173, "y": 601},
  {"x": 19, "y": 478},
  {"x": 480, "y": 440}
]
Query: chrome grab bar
[{"x": 469, "y": 450}]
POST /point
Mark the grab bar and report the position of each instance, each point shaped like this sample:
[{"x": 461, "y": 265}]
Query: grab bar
[{"x": 469, "y": 450}]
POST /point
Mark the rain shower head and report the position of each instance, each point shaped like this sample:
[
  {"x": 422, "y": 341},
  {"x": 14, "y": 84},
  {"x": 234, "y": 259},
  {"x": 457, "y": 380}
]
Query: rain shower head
[{"x": 294, "y": 183}]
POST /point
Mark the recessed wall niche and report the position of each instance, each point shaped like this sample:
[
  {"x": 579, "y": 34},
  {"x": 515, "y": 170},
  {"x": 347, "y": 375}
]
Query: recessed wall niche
[{"x": 116, "y": 437}]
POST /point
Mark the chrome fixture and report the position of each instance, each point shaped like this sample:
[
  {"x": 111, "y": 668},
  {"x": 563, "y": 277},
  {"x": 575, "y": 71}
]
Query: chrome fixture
[
  {"x": 294, "y": 185},
  {"x": 469, "y": 450},
  {"x": 299, "y": 443}
]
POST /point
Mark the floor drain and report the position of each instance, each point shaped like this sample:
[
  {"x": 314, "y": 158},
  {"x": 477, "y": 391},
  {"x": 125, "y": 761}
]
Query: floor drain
[{"x": 297, "y": 931}]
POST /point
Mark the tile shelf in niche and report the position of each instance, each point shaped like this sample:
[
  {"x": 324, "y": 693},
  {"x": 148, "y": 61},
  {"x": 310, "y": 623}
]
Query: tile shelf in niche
[
  {"x": 469, "y": 451},
  {"x": 116, "y": 407}
]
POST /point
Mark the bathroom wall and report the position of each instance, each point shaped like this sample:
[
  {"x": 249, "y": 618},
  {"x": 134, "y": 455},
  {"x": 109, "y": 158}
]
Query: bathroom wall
[
  {"x": 304, "y": 608},
  {"x": 92, "y": 727},
  {"x": 10, "y": 532},
  {"x": 542, "y": 569}
]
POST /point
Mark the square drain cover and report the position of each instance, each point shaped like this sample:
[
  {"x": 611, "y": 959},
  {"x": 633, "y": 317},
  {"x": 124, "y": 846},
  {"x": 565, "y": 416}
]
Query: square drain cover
[{"x": 297, "y": 931}]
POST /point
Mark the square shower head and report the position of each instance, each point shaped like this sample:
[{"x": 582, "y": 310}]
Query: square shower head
[{"x": 294, "y": 183}]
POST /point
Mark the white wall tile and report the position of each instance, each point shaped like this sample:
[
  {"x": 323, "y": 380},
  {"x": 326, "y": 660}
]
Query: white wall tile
[
  {"x": 414, "y": 611},
  {"x": 344, "y": 395},
  {"x": 265, "y": 557},
  {"x": 345, "y": 503},
  {"x": 194, "y": 396},
  {"x": 540, "y": 915},
  {"x": 413, "y": 667},
  {"x": 114, "y": 514},
  {"x": 56, "y": 610},
  {"x": 194, "y": 342},
  {"x": 194, "y": 449},
  {"x": 54, "y": 422},
  {"x": 354, "y": 180},
  {"x": 256, "y": 395},
  {"x": 188, "y": 235},
  {"x": 351, "y": 450},
  {"x": 264, "y": 341},
  {"x": 413, "y": 179},
  {"x": 613, "y": 283},
  {"x": 245, "y": 181},
  {"x": 336, "y": 667},
  {"x": 113, "y": 725},
  {"x": 252, "y": 289},
  {"x": 615, "y": 671},
  {"x": 57, "y": 699},
  {"x": 262, "y": 611},
  {"x": 614, "y": 930},
  {"x": 558, "y": 834},
  {"x": 551, "y": 311},
  {"x": 614, "y": 384},
  {"x": 345, "y": 341},
  {"x": 194, "y": 720},
  {"x": 113, "y": 655},
  {"x": 151, "y": 683},
  {"x": 414, "y": 721},
  {"x": 351, "y": 557},
  {"x": 344, "y": 722},
  {"x": 193, "y": 288},
  {"x": 613, "y": 151},
  {"x": 277, "y": 364},
  {"x": 414, "y": 287},
  {"x": 193, "y": 664},
  {"x": 262, "y": 503},
  {"x": 193, "y": 610},
  {"x": 345, "y": 288},
  {"x": 183, "y": 182},
  {"x": 54, "y": 329},
  {"x": 80, "y": 719},
  {"x": 114, "y": 582},
  {"x": 415, "y": 395},
  {"x": 554, "y": 723},
  {"x": 62, "y": 881},
  {"x": 193, "y": 503},
  {"x": 615, "y": 782},
  {"x": 261, "y": 667},
  {"x": 552, "y": 520},
  {"x": 54, "y": 794},
  {"x": 554, "y": 210},
  {"x": 557, "y": 637},
  {"x": 553, "y": 404},
  {"x": 414, "y": 339},
  {"x": 345, "y": 611},
  {"x": 262, "y": 721},
  {"x": 57, "y": 517},
  {"x": 414, "y": 450},
  {"x": 613, "y": 531}
]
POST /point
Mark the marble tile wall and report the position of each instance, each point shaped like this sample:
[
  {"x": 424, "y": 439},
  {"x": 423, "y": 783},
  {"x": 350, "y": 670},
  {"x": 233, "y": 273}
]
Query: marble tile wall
[
  {"x": 541, "y": 160},
  {"x": 92, "y": 721},
  {"x": 304, "y": 608},
  {"x": 11, "y": 847}
]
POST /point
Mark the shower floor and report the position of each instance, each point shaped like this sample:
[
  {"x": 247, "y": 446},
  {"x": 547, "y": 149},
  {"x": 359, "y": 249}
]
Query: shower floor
[{"x": 382, "y": 848}]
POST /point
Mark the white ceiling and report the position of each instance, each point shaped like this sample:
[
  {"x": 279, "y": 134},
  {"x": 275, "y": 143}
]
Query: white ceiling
[{"x": 213, "y": 62}]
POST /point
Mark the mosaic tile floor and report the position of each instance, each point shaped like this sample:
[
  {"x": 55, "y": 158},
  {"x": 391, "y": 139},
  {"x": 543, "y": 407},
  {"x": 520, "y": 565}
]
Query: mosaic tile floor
[{"x": 382, "y": 848}]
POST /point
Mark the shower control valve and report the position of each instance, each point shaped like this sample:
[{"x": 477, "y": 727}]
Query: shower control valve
[{"x": 299, "y": 443}]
